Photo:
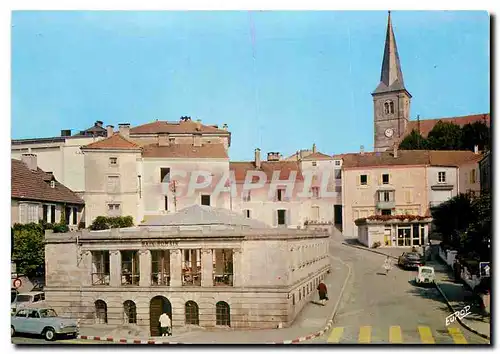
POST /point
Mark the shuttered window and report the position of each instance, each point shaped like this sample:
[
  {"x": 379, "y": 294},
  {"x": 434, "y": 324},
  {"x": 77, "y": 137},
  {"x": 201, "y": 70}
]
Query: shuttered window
[
  {"x": 28, "y": 213},
  {"x": 113, "y": 184}
]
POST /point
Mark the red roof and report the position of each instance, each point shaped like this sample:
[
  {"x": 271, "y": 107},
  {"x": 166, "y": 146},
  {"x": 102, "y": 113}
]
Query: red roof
[
  {"x": 268, "y": 167},
  {"x": 213, "y": 151},
  {"x": 35, "y": 185},
  {"x": 182, "y": 127},
  {"x": 426, "y": 125},
  {"x": 317, "y": 156},
  {"x": 114, "y": 142}
]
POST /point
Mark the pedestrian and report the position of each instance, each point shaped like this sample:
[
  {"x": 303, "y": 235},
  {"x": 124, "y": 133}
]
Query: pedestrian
[
  {"x": 322, "y": 291},
  {"x": 165, "y": 325},
  {"x": 387, "y": 265}
]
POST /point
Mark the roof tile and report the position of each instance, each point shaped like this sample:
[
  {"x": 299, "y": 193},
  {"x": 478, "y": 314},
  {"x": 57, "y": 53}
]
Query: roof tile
[
  {"x": 115, "y": 142},
  {"x": 182, "y": 127},
  {"x": 185, "y": 151},
  {"x": 268, "y": 167}
]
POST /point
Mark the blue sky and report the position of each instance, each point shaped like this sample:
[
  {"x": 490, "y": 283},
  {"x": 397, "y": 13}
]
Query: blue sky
[{"x": 281, "y": 80}]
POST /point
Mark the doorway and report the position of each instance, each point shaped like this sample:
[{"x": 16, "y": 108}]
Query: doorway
[
  {"x": 337, "y": 214},
  {"x": 158, "y": 305}
]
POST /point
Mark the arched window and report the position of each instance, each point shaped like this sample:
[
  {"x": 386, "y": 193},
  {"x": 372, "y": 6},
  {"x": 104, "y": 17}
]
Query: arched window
[
  {"x": 389, "y": 107},
  {"x": 101, "y": 312},
  {"x": 222, "y": 314},
  {"x": 192, "y": 313},
  {"x": 130, "y": 312}
]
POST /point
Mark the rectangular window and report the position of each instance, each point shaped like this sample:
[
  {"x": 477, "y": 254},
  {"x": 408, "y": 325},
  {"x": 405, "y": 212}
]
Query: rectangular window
[
  {"x": 315, "y": 213},
  {"x": 75, "y": 216},
  {"x": 386, "y": 196},
  {"x": 473, "y": 176},
  {"x": 385, "y": 178},
  {"x": 416, "y": 235},
  {"x": 223, "y": 267},
  {"x": 164, "y": 175},
  {"x": 130, "y": 267},
  {"x": 113, "y": 161},
  {"x": 67, "y": 215},
  {"x": 314, "y": 163},
  {"x": 45, "y": 213},
  {"x": 280, "y": 194},
  {"x": 363, "y": 179},
  {"x": 205, "y": 199},
  {"x": 114, "y": 209},
  {"x": 160, "y": 267},
  {"x": 386, "y": 211},
  {"x": 442, "y": 177},
  {"x": 113, "y": 184},
  {"x": 315, "y": 192},
  {"x": 166, "y": 203},
  {"x": 338, "y": 174},
  {"x": 247, "y": 196},
  {"x": 28, "y": 213},
  {"x": 247, "y": 213},
  {"x": 337, "y": 162},
  {"x": 191, "y": 267},
  {"x": 52, "y": 214},
  {"x": 281, "y": 217},
  {"x": 100, "y": 267},
  {"x": 293, "y": 299}
]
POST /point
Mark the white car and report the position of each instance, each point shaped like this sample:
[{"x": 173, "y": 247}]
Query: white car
[
  {"x": 27, "y": 299},
  {"x": 425, "y": 275}
]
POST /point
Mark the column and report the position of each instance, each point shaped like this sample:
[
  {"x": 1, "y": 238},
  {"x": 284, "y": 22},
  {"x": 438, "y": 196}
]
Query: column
[
  {"x": 145, "y": 268},
  {"x": 175, "y": 267},
  {"x": 86, "y": 268},
  {"x": 207, "y": 267},
  {"x": 115, "y": 268},
  {"x": 238, "y": 276}
]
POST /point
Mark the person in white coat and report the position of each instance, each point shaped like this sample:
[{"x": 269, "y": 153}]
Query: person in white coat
[{"x": 165, "y": 325}]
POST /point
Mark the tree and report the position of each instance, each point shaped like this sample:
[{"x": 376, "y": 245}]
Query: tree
[
  {"x": 413, "y": 141},
  {"x": 29, "y": 249},
  {"x": 477, "y": 133},
  {"x": 479, "y": 231},
  {"x": 445, "y": 136}
]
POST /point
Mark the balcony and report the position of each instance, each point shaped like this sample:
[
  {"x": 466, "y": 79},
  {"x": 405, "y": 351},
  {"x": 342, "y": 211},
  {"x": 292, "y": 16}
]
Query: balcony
[
  {"x": 385, "y": 198},
  {"x": 442, "y": 187},
  {"x": 391, "y": 204}
]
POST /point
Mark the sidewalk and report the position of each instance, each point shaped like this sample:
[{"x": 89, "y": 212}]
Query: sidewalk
[
  {"x": 310, "y": 321},
  {"x": 457, "y": 297}
]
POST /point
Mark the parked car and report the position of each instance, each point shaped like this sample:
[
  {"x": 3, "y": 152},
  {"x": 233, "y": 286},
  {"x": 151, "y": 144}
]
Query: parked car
[
  {"x": 410, "y": 260},
  {"x": 425, "y": 275},
  {"x": 43, "y": 321},
  {"x": 27, "y": 299}
]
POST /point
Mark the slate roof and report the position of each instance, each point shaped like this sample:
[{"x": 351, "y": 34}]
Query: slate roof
[
  {"x": 185, "y": 151},
  {"x": 410, "y": 158},
  {"x": 35, "y": 185},
  {"x": 202, "y": 215},
  {"x": 268, "y": 167},
  {"x": 114, "y": 142}
]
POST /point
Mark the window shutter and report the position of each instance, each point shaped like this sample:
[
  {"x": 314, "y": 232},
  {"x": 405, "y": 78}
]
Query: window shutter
[
  {"x": 358, "y": 180},
  {"x": 22, "y": 213},
  {"x": 410, "y": 196},
  {"x": 288, "y": 217},
  {"x": 381, "y": 179},
  {"x": 390, "y": 178},
  {"x": 367, "y": 179},
  {"x": 275, "y": 218},
  {"x": 407, "y": 196}
]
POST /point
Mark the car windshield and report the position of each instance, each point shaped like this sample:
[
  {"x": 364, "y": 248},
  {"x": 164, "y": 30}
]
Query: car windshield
[
  {"x": 413, "y": 256},
  {"x": 23, "y": 298},
  {"x": 426, "y": 271},
  {"x": 48, "y": 313}
]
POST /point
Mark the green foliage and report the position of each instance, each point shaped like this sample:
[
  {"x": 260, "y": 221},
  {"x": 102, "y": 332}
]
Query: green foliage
[
  {"x": 449, "y": 136},
  {"x": 57, "y": 228},
  {"x": 413, "y": 141},
  {"x": 29, "y": 249},
  {"x": 105, "y": 222}
]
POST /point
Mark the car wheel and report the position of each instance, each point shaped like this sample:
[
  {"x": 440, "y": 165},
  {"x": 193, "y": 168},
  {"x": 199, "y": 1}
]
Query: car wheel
[
  {"x": 12, "y": 331},
  {"x": 49, "y": 334}
]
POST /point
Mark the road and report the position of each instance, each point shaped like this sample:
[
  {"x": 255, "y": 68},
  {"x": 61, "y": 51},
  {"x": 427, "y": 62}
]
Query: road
[
  {"x": 379, "y": 308},
  {"x": 375, "y": 308}
]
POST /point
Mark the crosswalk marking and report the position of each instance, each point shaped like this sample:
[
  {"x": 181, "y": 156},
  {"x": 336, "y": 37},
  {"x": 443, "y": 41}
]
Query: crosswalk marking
[
  {"x": 335, "y": 335},
  {"x": 365, "y": 334},
  {"x": 426, "y": 335},
  {"x": 457, "y": 336},
  {"x": 395, "y": 334}
]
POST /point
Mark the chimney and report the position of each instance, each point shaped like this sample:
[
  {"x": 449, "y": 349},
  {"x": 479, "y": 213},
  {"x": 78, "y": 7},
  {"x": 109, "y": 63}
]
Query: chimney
[
  {"x": 476, "y": 149},
  {"x": 257, "y": 158},
  {"x": 273, "y": 156},
  {"x": 362, "y": 149},
  {"x": 66, "y": 132},
  {"x": 314, "y": 148},
  {"x": 124, "y": 129},
  {"x": 163, "y": 140},
  {"x": 196, "y": 139},
  {"x": 30, "y": 161},
  {"x": 395, "y": 150},
  {"x": 110, "y": 130},
  {"x": 98, "y": 123},
  {"x": 224, "y": 126},
  {"x": 198, "y": 124}
]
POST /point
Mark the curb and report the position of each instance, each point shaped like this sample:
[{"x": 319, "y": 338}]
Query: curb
[
  {"x": 369, "y": 250},
  {"x": 458, "y": 319},
  {"x": 293, "y": 341},
  {"x": 334, "y": 312}
]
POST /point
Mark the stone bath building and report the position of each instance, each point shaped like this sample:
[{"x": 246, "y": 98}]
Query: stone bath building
[{"x": 203, "y": 266}]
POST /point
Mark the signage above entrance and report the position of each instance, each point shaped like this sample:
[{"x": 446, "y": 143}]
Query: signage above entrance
[{"x": 159, "y": 243}]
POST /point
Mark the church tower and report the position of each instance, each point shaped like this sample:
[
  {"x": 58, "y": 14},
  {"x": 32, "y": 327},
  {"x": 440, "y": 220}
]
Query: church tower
[{"x": 391, "y": 100}]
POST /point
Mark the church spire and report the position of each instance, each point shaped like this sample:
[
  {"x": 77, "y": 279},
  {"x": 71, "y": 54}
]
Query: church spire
[{"x": 391, "y": 77}]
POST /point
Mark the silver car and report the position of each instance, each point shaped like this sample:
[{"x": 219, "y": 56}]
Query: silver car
[{"x": 41, "y": 320}]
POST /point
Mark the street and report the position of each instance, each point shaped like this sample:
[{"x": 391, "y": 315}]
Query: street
[{"x": 375, "y": 308}]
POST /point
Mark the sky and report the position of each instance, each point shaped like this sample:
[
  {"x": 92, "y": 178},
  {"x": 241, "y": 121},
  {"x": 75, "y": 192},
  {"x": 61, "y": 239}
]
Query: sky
[{"x": 281, "y": 80}]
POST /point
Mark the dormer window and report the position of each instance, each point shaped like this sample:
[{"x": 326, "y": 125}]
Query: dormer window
[
  {"x": 52, "y": 184},
  {"x": 389, "y": 107}
]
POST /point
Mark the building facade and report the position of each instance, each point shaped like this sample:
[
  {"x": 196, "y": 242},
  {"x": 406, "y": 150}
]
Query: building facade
[
  {"x": 37, "y": 195},
  {"x": 226, "y": 270}
]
